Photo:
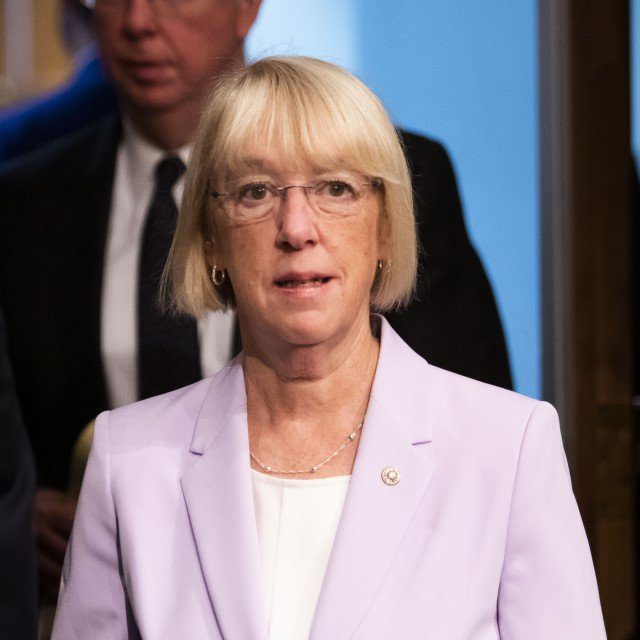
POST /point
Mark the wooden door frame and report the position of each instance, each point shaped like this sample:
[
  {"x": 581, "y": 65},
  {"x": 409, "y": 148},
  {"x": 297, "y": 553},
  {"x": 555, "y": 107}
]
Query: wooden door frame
[{"x": 586, "y": 275}]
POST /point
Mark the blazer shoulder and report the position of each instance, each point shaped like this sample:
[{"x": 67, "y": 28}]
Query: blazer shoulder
[
  {"x": 483, "y": 410},
  {"x": 426, "y": 399},
  {"x": 164, "y": 420}
]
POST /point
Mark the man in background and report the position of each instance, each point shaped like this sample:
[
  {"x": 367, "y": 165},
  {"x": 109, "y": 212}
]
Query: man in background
[
  {"x": 85, "y": 227},
  {"x": 86, "y": 224}
]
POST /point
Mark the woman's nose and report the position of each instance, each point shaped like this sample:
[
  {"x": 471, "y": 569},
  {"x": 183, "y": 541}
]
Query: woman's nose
[{"x": 297, "y": 220}]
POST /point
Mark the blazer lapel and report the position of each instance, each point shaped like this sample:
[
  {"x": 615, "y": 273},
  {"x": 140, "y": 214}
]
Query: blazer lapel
[
  {"x": 218, "y": 492},
  {"x": 376, "y": 515}
]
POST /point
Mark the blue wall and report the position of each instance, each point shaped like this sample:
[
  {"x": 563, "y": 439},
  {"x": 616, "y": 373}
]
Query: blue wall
[
  {"x": 326, "y": 29},
  {"x": 465, "y": 73}
]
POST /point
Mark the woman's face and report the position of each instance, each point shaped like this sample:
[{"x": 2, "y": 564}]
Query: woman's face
[{"x": 301, "y": 273}]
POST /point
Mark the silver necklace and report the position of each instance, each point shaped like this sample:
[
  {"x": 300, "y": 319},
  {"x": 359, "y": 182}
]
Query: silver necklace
[{"x": 269, "y": 469}]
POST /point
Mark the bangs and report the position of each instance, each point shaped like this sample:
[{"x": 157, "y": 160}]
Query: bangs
[{"x": 311, "y": 127}]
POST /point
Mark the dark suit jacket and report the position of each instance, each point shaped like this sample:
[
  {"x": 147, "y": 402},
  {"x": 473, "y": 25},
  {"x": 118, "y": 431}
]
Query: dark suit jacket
[
  {"x": 17, "y": 483},
  {"x": 54, "y": 208}
]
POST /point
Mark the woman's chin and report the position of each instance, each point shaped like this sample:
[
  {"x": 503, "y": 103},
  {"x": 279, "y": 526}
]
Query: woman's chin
[{"x": 307, "y": 328}]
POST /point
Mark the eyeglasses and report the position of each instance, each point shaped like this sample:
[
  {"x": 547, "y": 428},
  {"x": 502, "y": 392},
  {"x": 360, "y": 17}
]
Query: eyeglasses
[
  {"x": 174, "y": 8},
  {"x": 255, "y": 200}
]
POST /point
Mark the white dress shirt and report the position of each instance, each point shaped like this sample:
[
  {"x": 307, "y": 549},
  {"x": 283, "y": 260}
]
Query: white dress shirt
[
  {"x": 131, "y": 197},
  {"x": 296, "y": 522}
]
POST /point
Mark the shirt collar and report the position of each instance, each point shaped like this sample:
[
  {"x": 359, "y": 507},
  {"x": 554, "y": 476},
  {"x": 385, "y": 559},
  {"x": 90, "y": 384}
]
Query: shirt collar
[{"x": 142, "y": 156}]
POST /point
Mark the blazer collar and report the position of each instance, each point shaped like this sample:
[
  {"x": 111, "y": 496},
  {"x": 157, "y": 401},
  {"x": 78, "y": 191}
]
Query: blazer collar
[
  {"x": 375, "y": 516},
  {"x": 399, "y": 387},
  {"x": 218, "y": 493},
  {"x": 225, "y": 397},
  {"x": 401, "y": 384}
]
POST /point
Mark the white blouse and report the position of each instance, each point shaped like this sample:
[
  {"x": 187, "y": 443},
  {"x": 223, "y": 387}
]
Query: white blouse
[{"x": 297, "y": 522}]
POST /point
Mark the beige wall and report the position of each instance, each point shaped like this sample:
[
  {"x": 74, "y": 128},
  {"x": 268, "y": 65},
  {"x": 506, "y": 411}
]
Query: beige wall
[
  {"x": 32, "y": 56},
  {"x": 51, "y": 62},
  {"x": 2, "y": 43}
]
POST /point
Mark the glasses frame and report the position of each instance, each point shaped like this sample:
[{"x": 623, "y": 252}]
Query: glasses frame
[{"x": 375, "y": 184}]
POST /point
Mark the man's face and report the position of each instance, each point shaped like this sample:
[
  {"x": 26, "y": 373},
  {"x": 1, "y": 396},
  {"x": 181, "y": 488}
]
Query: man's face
[{"x": 163, "y": 54}]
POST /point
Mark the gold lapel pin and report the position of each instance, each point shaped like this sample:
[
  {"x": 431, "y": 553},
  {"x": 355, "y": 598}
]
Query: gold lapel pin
[{"x": 390, "y": 476}]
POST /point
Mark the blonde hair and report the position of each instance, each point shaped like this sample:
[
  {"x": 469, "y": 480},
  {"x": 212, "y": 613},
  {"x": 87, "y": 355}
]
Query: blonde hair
[{"x": 316, "y": 115}]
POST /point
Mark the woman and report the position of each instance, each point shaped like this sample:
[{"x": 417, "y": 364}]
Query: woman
[{"x": 327, "y": 483}]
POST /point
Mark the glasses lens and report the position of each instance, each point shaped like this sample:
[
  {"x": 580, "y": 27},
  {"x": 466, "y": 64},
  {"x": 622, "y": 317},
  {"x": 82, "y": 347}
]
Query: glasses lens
[
  {"x": 252, "y": 200},
  {"x": 337, "y": 197},
  {"x": 258, "y": 199}
]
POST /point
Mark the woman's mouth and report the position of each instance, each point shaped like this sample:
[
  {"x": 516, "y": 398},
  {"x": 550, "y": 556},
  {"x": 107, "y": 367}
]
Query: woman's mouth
[{"x": 302, "y": 283}]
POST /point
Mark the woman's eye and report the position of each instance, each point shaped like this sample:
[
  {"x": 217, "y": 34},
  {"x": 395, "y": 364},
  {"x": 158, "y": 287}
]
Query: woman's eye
[
  {"x": 253, "y": 192},
  {"x": 338, "y": 188}
]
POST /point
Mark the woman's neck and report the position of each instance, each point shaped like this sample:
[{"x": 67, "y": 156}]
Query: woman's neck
[{"x": 304, "y": 401}]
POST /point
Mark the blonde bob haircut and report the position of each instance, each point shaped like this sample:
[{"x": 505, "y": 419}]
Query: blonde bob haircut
[{"x": 318, "y": 117}]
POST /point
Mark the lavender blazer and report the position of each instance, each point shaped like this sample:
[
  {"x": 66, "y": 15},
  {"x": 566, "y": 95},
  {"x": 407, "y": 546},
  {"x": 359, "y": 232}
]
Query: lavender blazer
[{"x": 481, "y": 538}]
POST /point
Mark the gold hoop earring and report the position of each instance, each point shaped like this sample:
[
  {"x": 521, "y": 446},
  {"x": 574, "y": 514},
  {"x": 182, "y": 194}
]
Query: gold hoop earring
[{"x": 218, "y": 276}]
